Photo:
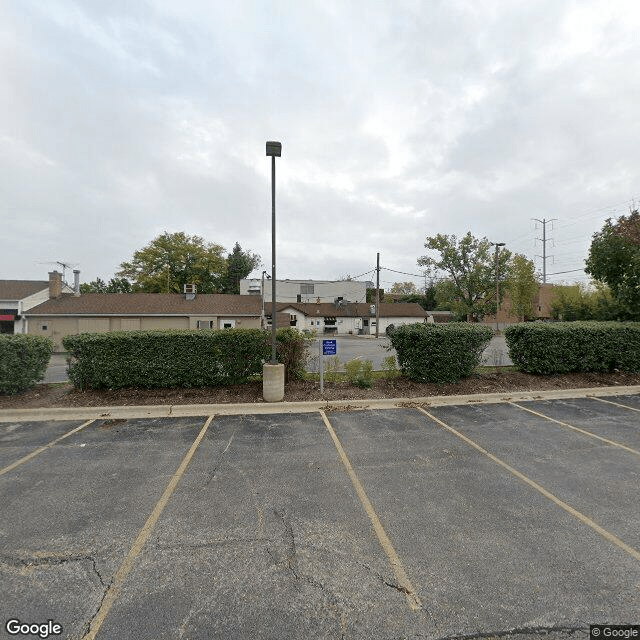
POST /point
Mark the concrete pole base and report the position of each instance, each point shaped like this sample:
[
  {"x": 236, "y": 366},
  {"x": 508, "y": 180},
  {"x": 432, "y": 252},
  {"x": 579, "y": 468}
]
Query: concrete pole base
[{"x": 273, "y": 382}]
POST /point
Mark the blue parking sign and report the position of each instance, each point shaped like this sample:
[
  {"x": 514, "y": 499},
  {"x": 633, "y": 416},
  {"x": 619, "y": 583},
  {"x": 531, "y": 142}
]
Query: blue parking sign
[{"x": 329, "y": 347}]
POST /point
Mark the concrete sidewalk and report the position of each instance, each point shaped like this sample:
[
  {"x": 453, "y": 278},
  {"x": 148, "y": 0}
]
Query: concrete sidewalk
[{"x": 262, "y": 408}]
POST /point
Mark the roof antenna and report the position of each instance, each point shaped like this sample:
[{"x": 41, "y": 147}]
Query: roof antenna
[{"x": 64, "y": 265}]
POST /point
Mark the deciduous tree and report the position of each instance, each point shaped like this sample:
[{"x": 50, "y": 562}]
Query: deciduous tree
[
  {"x": 614, "y": 258},
  {"x": 522, "y": 285},
  {"x": 116, "y": 285},
  {"x": 174, "y": 259},
  {"x": 470, "y": 265},
  {"x": 404, "y": 288},
  {"x": 578, "y": 302}
]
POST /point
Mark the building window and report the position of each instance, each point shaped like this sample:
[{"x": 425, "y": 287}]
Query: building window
[
  {"x": 45, "y": 327},
  {"x": 306, "y": 289},
  {"x": 293, "y": 319},
  {"x": 205, "y": 324}
]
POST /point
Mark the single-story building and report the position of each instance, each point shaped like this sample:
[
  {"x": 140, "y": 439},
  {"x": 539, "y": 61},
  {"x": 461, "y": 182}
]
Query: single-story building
[
  {"x": 66, "y": 314},
  {"x": 351, "y": 317},
  {"x": 18, "y": 296}
]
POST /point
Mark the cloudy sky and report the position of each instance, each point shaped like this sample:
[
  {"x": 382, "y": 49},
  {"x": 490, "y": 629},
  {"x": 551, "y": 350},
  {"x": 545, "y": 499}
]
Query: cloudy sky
[{"x": 121, "y": 120}]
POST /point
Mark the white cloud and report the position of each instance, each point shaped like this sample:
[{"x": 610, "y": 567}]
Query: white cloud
[{"x": 398, "y": 120}]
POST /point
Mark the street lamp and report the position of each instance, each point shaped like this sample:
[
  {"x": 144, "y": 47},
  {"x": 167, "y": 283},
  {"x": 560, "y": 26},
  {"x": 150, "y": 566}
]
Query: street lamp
[
  {"x": 497, "y": 245},
  {"x": 273, "y": 373},
  {"x": 274, "y": 149}
]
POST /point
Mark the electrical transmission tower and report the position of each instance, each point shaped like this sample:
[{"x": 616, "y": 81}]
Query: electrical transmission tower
[{"x": 544, "y": 241}]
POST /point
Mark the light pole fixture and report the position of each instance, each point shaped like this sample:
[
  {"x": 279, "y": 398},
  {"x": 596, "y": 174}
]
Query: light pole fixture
[
  {"x": 274, "y": 149},
  {"x": 497, "y": 245}
]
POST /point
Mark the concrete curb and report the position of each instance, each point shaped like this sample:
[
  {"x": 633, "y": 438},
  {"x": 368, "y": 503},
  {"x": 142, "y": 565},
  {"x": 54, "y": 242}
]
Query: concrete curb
[{"x": 255, "y": 408}]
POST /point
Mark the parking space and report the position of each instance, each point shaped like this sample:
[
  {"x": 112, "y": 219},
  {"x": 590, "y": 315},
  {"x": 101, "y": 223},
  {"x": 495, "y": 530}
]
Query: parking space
[
  {"x": 595, "y": 477},
  {"x": 22, "y": 439},
  {"x": 434, "y": 522},
  {"x": 70, "y": 514},
  {"x": 487, "y": 552}
]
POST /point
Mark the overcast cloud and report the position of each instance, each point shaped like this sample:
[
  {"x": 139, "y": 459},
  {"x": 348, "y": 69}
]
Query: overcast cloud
[{"x": 398, "y": 120}]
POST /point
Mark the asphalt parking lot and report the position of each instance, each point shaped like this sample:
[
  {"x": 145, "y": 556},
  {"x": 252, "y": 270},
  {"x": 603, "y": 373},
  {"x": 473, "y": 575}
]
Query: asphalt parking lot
[{"x": 477, "y": 520}]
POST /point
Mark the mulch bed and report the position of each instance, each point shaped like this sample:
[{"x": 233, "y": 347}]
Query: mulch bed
[{"x": 50, "y": 395}]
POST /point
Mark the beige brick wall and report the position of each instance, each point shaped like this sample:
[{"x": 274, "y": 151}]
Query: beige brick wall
[
  {"x": 541, "y": 307},
  {"x": 59, "y": 327}
]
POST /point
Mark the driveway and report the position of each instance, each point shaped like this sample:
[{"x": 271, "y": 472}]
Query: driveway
[{"x": 475, "y": 520}]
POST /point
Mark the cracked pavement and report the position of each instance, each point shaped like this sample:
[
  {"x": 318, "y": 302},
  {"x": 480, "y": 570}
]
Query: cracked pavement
[{"x": 265, "y": 537}]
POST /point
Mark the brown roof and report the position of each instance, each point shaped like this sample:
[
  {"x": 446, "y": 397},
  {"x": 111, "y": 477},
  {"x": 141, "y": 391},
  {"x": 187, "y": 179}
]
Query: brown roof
[
  {"x": 141, "y": 304},
  {"x": 19, "y": 289},
  {"x": 356, "y": 309}
]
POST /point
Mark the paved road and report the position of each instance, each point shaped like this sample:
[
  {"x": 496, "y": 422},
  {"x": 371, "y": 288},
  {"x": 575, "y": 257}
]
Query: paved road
[{"x": 457, "y": 521}]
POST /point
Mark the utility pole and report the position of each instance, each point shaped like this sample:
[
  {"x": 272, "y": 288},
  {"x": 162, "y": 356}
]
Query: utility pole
[
  {"x": 497, "y": 246},
  {"x": 544, "y": 241},
  {"x": 377, "y": 293}
]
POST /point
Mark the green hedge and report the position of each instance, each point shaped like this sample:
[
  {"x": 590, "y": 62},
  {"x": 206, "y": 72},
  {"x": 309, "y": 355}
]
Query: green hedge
[
  {"x": 565, "y": 347},
  {"x": 292, "y": 351},
  {"x": 439, "y": 352},
  {"x": 23, "y": 361},
  {"x": 175, "y": 358}
]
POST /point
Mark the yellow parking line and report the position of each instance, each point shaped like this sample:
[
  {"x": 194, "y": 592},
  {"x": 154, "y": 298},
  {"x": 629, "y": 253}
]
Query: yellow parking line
[
  {"x": 613, "y": 443},
  {"x": 127, "y": 564},
  {"x": 401, "y": 575},
  {"x": 624, "y": 406},
  {"x": 39, "y": 450},
  {"x": 547, "y": 494}
]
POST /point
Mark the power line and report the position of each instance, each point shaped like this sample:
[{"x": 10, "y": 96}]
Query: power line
[
  {"x": 597, "y": 211},
  {"x": 557, "y": 273},
  {"x": 404, "y": 272},
  {"x": 363, "y": 274}
]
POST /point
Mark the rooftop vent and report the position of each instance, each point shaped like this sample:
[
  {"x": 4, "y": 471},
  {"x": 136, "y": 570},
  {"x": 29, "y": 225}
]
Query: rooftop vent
[{"x": 190, "y": 291}]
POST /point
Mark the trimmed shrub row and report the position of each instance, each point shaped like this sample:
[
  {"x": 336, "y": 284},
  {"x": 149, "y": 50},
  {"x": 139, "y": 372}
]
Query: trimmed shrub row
[
  {"x": 566, "y": 347},
  {"x": 177, "y": 358},
  {"x": 292, "y": 351},
  {"x": 23, "y": 361},
  {"x": 439, "y": 352}
]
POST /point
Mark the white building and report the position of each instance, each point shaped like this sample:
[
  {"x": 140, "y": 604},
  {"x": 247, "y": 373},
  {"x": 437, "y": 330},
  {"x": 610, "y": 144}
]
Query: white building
[
  {"x": 18, "y": 296},
  {"x": 308, "y": 290},
  {"x": 349, "y": 318}
]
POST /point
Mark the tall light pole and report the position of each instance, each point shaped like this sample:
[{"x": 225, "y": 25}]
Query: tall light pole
[
  {"x": 377, "y": 293},
  {"x": 274, "y": 149},
  {"x": 497, "y": 245}
]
